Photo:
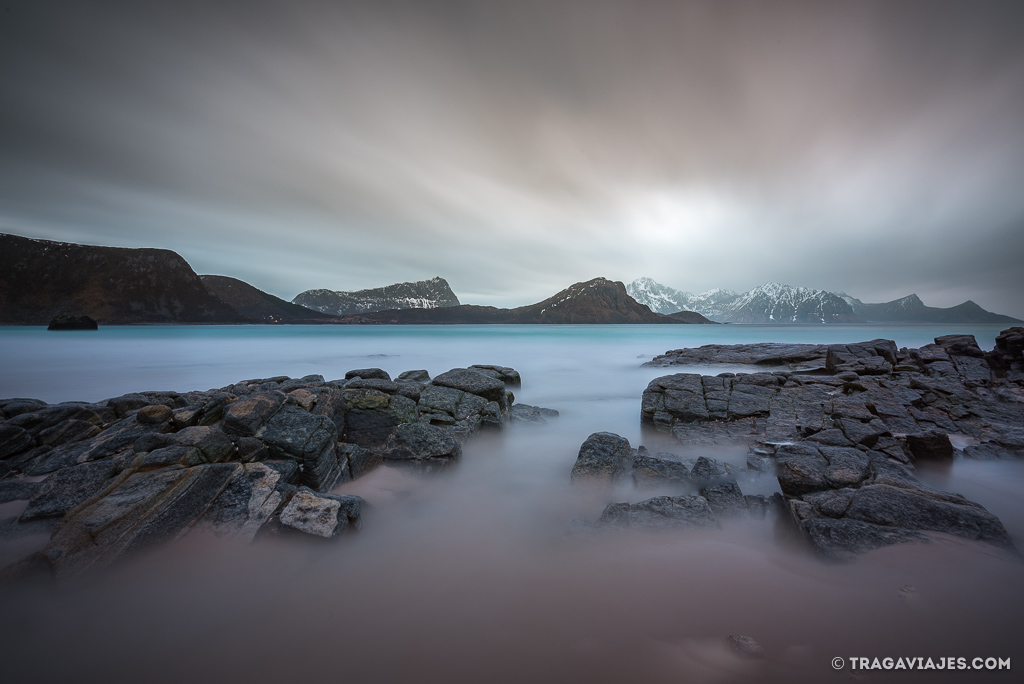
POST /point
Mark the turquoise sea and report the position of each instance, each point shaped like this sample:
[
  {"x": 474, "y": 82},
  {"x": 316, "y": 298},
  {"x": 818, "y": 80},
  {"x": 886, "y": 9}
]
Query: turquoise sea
[{"x": 476, "y": 575}]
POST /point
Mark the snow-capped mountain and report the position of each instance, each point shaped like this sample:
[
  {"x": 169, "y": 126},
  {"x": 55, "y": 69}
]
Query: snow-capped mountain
[
  {"x": 769, "y": 303},
  {"x": 776, "y": 303},
  {"x": 423, "y": 294},
  {"x": 663, "y": 299}
]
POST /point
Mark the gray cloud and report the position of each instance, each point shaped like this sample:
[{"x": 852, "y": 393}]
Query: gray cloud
[{"x": 514, "y": 148}]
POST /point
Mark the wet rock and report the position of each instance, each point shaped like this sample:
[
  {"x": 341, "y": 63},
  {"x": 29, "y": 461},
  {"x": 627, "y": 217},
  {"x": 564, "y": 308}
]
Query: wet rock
[
  {"x": 321, "y": 515},
  {"x": 930, "y": 446},
  {"x": 143, "y": 510},
  {"x": 420, "y": 376},
  {"x": 14, "y": 440},
  {"x": 246, "y": 416},
  {"x": 68, "y": 488},
  {"x": 422, "y": 447},
  {"x": 509, "y": 376},
  {"x": 658, "y": 469},
  {"x": 474, "y": 382},
  {"x": 660, "y": 512},
  {"x": 154, "y": 414},
  {"x": 368, "y": 374},
  {"x": 725, "y": 497},
  {"x": 602, "y": 458},
  {"x": 359, "y": 461},
  {"x": 17, "y": 490},
  {"x": 745, "y": 647}
]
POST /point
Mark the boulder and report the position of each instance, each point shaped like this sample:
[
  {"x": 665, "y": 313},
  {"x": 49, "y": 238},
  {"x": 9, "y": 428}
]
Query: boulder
[
  {"x": 321, "y": 515},
  {"x": 422, "y": 447},
  {"x": 660, "y": 512},
  {"x": 420, "y": 376},
  {"x": 658, "y": 469},
  {"x": 509, "y": 376},
  {"x": 368, "y": 374},
  {"x": 602, "y": 458},
  {"x": 66, "y": 489},
  {"x": 930, "y": 446},
  {"x": 245, "y": 417},
  {"x": 474, "y": 382}
]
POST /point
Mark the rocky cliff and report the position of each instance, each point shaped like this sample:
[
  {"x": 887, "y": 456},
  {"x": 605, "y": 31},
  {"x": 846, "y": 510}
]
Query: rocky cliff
[
  {"x": 423, "y": 294},
  {"x": 41, "y": 279},
  {"x": 257, "y": 304}
]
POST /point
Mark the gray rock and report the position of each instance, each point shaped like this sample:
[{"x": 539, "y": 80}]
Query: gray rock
[
  {"x": 725, "y": 497},
  {"x": 602, "y": 458},
  {"x": 14, "y": 440},
  {"x": 509, "y": 376},
  {"x": 321, "y": 515},
  {"x": 930, "y": 446},
  {"x": 659, "y": 469},
  {"x": 474, "y": 382},
  {"x": 68, "y": 488},
  {"x": 127, "y": 404},
  {"x": 214, "y": 444},
  {"x": 17, "y": 490},
  {"x": 745, "y": 647},
  {"x": 660, "y": 512},
  {"x": 368, "y": 374},
  {"x": 245, "y": 417},
  {"x": 420, "y": 376},
  {"x": 422, "y": 447}
]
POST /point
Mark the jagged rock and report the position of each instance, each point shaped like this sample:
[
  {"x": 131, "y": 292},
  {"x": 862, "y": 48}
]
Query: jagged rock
[
  {"x": 930, "y": 446},
  {"x": 422, "y": 447},
  {"x": 725, "y": 497},
  {"x": 660, "y": 512},
  {"x": 321, "y": 515},
  {"x": 247, "y": 503},
  {"x": 603, "y": 457},
  {"x": 154, "y": 414},
  {"x": 66, "y": 489},
  {"x": 171, "y": 455},
  {"x": 36, "y": 422},
  {"x": 659, "y": 469},
  {"x": 128, "y": 403},
  {"x": 247, "y": 415},
  {"x": 359, "y": 461},
  {"x": 143, "y": 510}
]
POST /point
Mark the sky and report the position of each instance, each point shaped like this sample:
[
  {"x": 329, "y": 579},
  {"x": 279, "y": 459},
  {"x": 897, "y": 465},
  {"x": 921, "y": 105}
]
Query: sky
[{"x": 514, "y": 148}]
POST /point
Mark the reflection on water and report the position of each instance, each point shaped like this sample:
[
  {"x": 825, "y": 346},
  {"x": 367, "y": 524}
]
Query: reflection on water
[{"x": 471, "y": 576}]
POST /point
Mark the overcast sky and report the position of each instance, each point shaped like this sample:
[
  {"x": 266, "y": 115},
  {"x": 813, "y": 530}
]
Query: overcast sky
[{"x": 517, "y": 147}]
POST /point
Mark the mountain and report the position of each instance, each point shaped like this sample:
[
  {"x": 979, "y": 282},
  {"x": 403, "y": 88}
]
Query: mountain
[
  {"x": 689, "y": 317},
  {"x": 596, "y": 301},
  {"x": 42, "y": 279},
  {"x": 663, "y": 299},
  {"x": 257, "y": 304},
  {"x": 775, "y": 303},
  {"x": 911, "y": 309},
  {"x": 422, "y": 294}
]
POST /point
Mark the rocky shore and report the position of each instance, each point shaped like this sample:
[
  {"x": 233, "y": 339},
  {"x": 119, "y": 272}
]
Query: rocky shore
[
  {"x": 840, "y": 426},
  {"x": 261, "y": 456}
]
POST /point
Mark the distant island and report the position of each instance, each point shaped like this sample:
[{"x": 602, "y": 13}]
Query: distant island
[{"x": 41, "y": 280}]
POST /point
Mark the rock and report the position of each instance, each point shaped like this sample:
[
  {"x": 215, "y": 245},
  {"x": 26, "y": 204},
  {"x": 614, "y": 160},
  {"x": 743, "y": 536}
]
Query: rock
[
  {"x": 524, "y": 413},
  {"x": 251, "y": 449},
  {"x": 72, "y": 323},
  {"x": 745, "y": 647},
  {"x": 474, "y": 382},
  {"x": 143, "y": 510},
  {"x": 247, "y": 503},
  {"x": 509, "y": 376},
  {"x": 16, "y": 406},
  {"x": 660, "y": 512},
  {"x": 17, "y": 490},
  {"x": 844, "y": 538},
  {"x": 368, "y": 374},
  {"x": 154, "y": 414},
  {"x": 128, "y": 403},
  {"x": 66, "y": 489},
  {"x": 172, "y": 455},
  {"x": 603, "y": 457},
  {"x": 36, "y": 422},
  {"x": 930, "y": 446},
  {"x": 14, "y": 440},
  {"x": 360, "y": 461},
  {"x": 321, "y": 515},
  {"x": 422, "y": 447},
  {"x": 660, "y": 469},
  {"x": 246, "y": 416},
  {"x": 420, "y": 376},
  {"x": 215, "y": 445},
  {"x": 725, "y": 497}
]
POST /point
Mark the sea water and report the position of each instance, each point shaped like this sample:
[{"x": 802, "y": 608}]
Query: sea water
[{"x": 481, "y": 574}]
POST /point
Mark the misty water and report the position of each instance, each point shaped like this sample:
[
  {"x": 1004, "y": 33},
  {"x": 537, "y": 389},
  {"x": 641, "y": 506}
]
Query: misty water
[{"x": 473, "y": 575}]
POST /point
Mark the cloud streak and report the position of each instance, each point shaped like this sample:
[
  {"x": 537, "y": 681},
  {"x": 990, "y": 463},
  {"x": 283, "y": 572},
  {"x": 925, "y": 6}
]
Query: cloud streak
[{"x": 870, "y": 147}]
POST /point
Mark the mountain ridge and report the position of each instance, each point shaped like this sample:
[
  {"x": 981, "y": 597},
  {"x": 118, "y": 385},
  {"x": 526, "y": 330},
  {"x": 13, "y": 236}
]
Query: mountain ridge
[
  {"x": 776, "y": 303},
  {"x": 433, "y": 293}
]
